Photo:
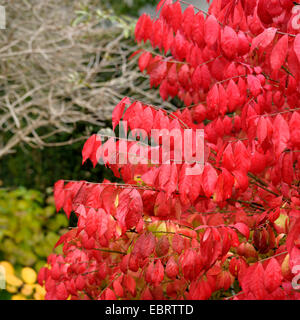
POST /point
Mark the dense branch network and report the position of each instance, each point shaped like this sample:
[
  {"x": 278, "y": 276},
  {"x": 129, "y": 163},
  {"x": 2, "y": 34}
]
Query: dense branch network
[{"x": 57, "y": 74}]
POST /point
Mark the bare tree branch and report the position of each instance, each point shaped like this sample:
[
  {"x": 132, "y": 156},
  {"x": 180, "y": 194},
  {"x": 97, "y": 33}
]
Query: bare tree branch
[{"x": 55, "y": 74}]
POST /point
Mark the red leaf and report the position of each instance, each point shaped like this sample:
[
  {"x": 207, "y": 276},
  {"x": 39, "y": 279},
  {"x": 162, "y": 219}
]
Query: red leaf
[
  {"x": 118, "y": 111},
  {"x": 279, "y": 53},
  {"x": 293, "y": 238},
  {"x": 263, "y": 39},
  {"x": 61, "y": 292},
  {"x": 188, "y": 21},
  {"x": 243, "y": 44},
  {"x": 143, "y": 28},
  {"x": 161, "y": 3},
  {"x": 150, "y": 176},
  {"x": 42, "y": 275},
  {"x": 59, "y": 194},
  {"x": 241, "y": 179},
  {"x": 228, "y": 159},
  {"x": 234, "y": 95},
  {"x": 88, "y": 148},
  {"x": 130, "y": 208},
  {"x": 229, "y": 42},
  {"x": 211, "y": 30},
  {"x": 213, "y": 98},
  {"x": 172, "y": 268},
  {"x": 254, "y": 85},
  {"x": 130, "y": 284},
  {"x": 158, "y": 273},
  {"x": 103, "y": 222},
  {"x": 176, "y": 16},
  {"x": 262, "y": 129},
  {"x": 281, "y": 134},
  {"x": 241, "y": 157},
  {"x": 148, "y": 245},
  {"x": 144, "y": 60},
  {"x": 65, "y": 237},
  {"x": 209, "y": 180},
  {"x": 273, "y": 276},
  {"x": 118, "y": 288},
  {"x": 147, "y": 124},
  {"x": 135, "y": 53},
  {"x": 253, "y": 281},
  {"x": 178, "y": 243},
  {"x": 146, "y": 295},
  {"x": 109, "y": 294},
  {"x": 164, "y": 175},
  {"x": 173, "y": 181},
  {"x": 243, "y": 229},
  {"x": 287, "y": 170},
  {"x": 149, "y": 272},
  {"x": 297, "y": 46},
  {"x": 162, "y": 246},
  {"x": 184, "y": 184}
]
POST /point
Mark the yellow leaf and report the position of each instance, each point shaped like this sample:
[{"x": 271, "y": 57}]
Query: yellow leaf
[
  {"x": 40, "y": 290},
  {"x": 11, "y": 289},
  {"x": 281, "y": 220},
  {"x": 18, "y": 297},
  {"x": 27, "y": 289},
  {"x": 117, "y": 201},
  {"x": 38, "y": 296},
  {"x": 9, "y": 269},
  {"x": 29, "y": 275},
  {"x": 13, "y": 280}
]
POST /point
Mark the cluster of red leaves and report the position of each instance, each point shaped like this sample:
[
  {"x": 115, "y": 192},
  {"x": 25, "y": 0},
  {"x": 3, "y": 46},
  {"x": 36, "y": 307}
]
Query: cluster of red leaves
[{"x": 232, "y": 231}]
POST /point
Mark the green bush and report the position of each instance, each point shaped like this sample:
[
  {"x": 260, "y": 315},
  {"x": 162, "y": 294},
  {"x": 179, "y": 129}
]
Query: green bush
[
  {"x": 130, "y": 7},
  {"x": 29, "y": 227},
  {"x": 40, "y": 168}
]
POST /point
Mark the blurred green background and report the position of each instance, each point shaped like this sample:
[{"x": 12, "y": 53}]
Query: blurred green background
[{"x": 29, "y": 226}]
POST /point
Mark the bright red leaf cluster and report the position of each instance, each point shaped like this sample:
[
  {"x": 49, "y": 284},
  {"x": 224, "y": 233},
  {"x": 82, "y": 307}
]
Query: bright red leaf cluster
[{"x": 230, "y": 232}]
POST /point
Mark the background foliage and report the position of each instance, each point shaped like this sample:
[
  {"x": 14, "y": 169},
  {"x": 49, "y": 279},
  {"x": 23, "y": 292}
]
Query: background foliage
[
  {"x": 39, "y": 167},
  {"x": 29, "y": 227},
  {"x": 21, "y": 284},
  {"x": 130, "y": 7}
]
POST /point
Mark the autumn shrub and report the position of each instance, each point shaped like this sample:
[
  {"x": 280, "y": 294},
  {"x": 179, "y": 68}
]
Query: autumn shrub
[
  {"x": 230, "y": 230},
  {"x": 21, "y": 284},
  {"x": 29, "y": 227}
]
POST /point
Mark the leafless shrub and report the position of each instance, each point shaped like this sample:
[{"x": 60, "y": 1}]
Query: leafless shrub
[{"x": 55, "y": 73}]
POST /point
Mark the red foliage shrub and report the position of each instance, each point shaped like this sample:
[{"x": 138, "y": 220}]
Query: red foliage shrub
[{"x": 231, "y": 230}]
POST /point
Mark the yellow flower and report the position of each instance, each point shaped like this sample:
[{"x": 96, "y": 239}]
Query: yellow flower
[
  {"x": 18, "y": 297},
  {"x": 13, "y": 280},
  {"x": 27, "y": 289},
  {"x": 29, "y": 275},
  {"x": 9, "y": 269},
  {"x": 11, "y": 289},
  {"x": 39, "y": 294},
  {"x": 40, "y": 290}
]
